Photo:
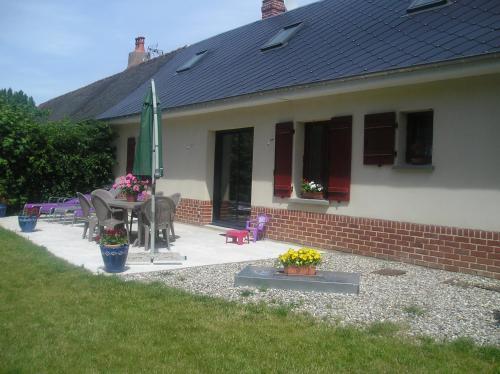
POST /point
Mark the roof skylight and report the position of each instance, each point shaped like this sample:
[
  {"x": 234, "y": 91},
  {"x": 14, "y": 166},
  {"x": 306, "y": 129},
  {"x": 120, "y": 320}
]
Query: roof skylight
[
  {"x": 282, "y": 37},
  {"x": 418, "y": 5},
  {"x": 192, "y": 61}
]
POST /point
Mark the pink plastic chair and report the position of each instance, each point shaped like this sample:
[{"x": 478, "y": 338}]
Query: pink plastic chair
[{"x": 258, "y": 226}]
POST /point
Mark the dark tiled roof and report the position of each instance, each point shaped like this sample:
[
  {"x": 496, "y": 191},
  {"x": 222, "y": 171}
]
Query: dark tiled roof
[
  {"x": 338, "y": 39},
  {"x": 90, "y": 101}
]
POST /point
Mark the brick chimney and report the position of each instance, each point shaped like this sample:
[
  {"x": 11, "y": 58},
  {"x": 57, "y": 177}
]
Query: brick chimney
[
  {"x": 139, "y": 55},
  {"x": 139, "y": 44},
  {"x": 272, "y": 8}
]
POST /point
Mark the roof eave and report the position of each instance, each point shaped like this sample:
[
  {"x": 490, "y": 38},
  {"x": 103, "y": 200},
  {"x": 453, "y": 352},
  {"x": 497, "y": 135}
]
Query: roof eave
[{"x": 451, "y": 69}]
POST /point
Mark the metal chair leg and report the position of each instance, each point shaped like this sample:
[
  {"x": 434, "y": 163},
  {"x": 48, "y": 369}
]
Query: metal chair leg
[
  {"x": 131, "y": 220},
  {"x": 128, "y": 232},
  {"x": 146, "y": 238},
  {"x": 167, "y": 237},
  {"x": 172, "y": 230},
  {"x": 92, "y": 226},
  {"x": 85, "y": 228}
]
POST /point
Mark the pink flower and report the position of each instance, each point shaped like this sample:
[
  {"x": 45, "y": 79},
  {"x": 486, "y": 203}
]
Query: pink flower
[
  {"x": 129, "y": 176},
  {"x": 136, "y": 188},
  {"x": 114, "y": 186}
]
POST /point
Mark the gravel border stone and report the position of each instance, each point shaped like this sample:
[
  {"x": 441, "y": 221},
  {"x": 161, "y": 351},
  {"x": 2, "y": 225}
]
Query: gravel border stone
[{"x": 423, "y": 301}]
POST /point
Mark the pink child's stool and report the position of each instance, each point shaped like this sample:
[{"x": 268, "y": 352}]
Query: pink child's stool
[{"x": 238, "y": 236}]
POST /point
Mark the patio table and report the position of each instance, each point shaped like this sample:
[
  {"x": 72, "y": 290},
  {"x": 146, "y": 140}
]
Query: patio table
[
  {"x": 129, "y": 206},
  {"x": 124, "y": 204}
]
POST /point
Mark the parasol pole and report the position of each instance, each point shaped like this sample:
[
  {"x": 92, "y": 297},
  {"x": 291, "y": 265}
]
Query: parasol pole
[{"x": 154, "y": 163}]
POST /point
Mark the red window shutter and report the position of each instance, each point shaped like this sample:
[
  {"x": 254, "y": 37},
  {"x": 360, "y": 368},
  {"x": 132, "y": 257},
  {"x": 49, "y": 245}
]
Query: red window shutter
[
  {"x": 283, "y": 159},
  {"x": 130, "y": 154},
  {"x": 380, "y": 135},
  {"x": 339, "y": 158}
]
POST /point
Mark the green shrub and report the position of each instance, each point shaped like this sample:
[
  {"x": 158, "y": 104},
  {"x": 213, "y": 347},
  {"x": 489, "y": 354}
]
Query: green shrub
[{"x": 39, "y": 159}]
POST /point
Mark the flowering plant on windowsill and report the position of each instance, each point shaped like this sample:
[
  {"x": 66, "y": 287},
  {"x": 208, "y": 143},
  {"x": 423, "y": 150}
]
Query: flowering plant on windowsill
[
  {"x": 311, "y": 186},
  {"x": 131, "y": 185}
]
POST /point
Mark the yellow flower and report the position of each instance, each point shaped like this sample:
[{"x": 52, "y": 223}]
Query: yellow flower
[{"x": 300, "y": 257}]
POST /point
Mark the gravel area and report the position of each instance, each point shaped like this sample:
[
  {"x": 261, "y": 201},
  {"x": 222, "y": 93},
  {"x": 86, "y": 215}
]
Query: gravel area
[{"x": 424, "y": 302}]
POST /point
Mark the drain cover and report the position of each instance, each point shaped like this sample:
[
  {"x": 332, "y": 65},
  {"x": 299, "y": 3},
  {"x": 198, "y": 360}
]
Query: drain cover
[
  {"x": 390, "y": 272},
  {"x": 488, "y": 287},
  {"x": 464, "y": 284},
  {"x": 496, "y": 314}
]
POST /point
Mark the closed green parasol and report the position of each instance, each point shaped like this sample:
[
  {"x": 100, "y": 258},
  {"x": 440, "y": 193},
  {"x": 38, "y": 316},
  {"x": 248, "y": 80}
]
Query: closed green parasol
[
  {"x": 145, "y": 150},
  {"x": 148, "y": 153}
]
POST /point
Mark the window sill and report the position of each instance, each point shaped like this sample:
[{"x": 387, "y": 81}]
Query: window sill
[
  {"x": 298, "y": 200},
  {"x": 414, "y": 167}
]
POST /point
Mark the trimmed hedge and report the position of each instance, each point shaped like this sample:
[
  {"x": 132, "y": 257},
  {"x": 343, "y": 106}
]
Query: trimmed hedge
[{"x": 39, "y": 159}]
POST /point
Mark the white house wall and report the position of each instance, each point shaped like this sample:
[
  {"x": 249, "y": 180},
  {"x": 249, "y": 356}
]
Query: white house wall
[{"x": 463, "y": 190}]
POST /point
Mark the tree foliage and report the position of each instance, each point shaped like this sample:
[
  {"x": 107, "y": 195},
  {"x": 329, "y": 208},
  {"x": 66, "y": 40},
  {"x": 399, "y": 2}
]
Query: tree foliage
[
  {"x": 17, "y": 98},
  {"x": 41, "y": 159},
  {"x": 22, "y": 102}
]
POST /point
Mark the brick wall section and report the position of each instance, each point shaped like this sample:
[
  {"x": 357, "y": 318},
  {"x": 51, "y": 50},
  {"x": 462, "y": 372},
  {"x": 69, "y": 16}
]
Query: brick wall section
[
  {"x": 198, "y": 212},
  {"x": 447, "y": 248}
]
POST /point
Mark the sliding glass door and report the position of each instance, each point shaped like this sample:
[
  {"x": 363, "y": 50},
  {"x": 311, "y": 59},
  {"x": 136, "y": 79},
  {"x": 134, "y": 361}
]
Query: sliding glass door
[{"x": 233, "y": 177}]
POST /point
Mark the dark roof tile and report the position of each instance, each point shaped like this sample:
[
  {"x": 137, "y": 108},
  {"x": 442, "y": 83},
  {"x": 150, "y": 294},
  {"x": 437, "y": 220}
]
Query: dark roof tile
[
  {"x": 339, "y": 39},
  {"x": 90, "y": 101}
]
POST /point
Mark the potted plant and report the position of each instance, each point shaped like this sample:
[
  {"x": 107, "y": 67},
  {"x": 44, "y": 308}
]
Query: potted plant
[
  {"x": 131, "y": 186},
  {"x": 300, "y": 262},
  {"x": 3, "y": 206},
  {"x": 114, "y": 249},
  {"x": 28, "y": 219},
  {"x": 312, "y": 190}
]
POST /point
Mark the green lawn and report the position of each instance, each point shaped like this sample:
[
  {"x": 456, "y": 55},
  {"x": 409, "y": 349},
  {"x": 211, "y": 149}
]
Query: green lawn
[{"x": 58, "y": 318}]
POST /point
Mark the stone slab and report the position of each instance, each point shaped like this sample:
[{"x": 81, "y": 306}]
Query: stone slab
[
  {"x": 323, "y": 281},
  {"x": 161, "y": 257}
]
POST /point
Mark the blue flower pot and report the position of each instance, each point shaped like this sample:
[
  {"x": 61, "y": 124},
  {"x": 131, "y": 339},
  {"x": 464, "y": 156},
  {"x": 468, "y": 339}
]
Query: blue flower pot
[
  {"x": 3, "y": 210},
  {"x": 27, "y": 223},
  {"x": 114, "y": 257}
]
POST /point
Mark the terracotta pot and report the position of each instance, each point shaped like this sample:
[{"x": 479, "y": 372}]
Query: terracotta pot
[
  {"x": 131, "y": 198},
  {"x": 312, "y": 195},
  {"x": 300, "y": 270}
]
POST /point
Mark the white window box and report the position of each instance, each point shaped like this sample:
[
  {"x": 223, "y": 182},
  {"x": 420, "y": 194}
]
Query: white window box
[
  {"x": 298, "y": 200},
  {"x": 408, "y": 167}
]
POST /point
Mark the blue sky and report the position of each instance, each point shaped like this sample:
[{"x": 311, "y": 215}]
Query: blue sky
[{"x": 51, "y": 47}]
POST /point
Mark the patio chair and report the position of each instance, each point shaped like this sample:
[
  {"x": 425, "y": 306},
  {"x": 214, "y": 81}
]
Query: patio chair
[
  {"x": 173, "y": 201},
  {"x": 88, "y": 215},
  {"x": 135, "y": 213},
  {"x": 103, "y": 194},
  {"x": 164, "y": 208},
  {"x": 69, "y": 205},
  {"x": 108, "y": 196},
  {"x": 47, "y": 207},
  {"x": 105, "y": 216},
  {"x": 176, "y": 198},
  {"x": 257, "y": 226}
]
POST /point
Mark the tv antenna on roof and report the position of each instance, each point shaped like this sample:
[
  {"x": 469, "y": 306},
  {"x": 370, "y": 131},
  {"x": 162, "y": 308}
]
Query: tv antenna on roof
[{"x": 154, "y": 51}]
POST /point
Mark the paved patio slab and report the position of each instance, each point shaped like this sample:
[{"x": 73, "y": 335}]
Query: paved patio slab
[{"x": 201, "y": 245}]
